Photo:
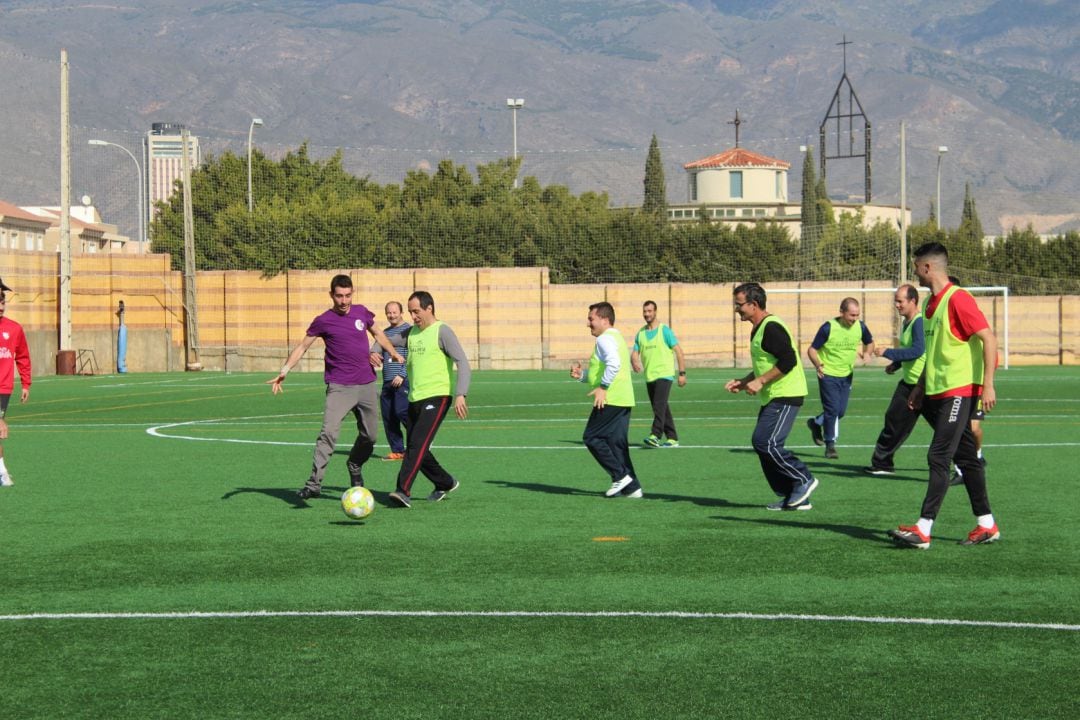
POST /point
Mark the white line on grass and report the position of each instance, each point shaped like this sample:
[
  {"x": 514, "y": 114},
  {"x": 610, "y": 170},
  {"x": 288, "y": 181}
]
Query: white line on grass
[
  {"x": 161, "y": 431},
  {"x": 1068, "y": 627}
]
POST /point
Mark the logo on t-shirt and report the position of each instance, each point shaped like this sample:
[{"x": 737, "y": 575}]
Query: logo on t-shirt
[
  {"x": 6, "y": 336},
  {"x": 359, "y": 325}
]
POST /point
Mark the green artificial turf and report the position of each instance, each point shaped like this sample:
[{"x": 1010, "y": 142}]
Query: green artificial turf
[{"x": 175, "y": 494}]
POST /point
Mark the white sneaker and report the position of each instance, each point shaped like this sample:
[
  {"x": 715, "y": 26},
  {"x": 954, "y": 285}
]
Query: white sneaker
[
  {"x": 618, "y": 485},
  {"x": 5, "y": 480},
  {"x": 636, "y": 494}
]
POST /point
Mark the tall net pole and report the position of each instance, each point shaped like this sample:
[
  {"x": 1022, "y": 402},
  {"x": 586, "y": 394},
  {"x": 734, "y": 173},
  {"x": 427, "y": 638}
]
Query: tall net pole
[
  {"x": 191, "y": 334},
  {"x": 65, "y": 206}
]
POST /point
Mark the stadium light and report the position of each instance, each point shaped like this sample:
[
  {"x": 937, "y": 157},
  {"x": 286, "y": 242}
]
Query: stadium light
[
  {"x": 937, "y": 208},
  {"x": 255, "y": 122},
  {"x": 138, "y": 169},
  {"x": 515, "y": 104}
]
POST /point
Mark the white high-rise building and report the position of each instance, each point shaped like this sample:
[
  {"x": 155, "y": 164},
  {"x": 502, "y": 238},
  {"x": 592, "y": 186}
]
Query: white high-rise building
[{"x": 163, "y": 151}]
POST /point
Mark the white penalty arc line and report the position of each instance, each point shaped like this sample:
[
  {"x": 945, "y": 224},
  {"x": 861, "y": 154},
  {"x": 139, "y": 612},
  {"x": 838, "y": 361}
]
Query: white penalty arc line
[
  {"x": 659, "y": 615},
  {"x": 160, "y": 431}
]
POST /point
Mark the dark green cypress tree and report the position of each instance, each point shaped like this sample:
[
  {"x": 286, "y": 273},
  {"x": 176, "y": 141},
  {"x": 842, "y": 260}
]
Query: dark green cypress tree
[
  {"x": 655, "y": 192},
  {"x": 809, "y": 193},
  {"x": 970, "y": 227}
]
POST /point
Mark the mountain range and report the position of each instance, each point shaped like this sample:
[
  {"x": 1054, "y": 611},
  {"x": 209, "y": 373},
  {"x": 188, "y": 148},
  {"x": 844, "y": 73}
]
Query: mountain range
[{"x": 401, "y": 84}]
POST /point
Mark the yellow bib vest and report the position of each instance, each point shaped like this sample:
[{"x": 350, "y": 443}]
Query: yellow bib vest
[
  {"x": 912, "y": 368},
  {"x": 838, "y": 353},
  {"x": 427, "y": 366},
  {"x": 621, "y": 391},
  {"x": 950, "y": 362},
  {"x": 657, "y": 359},
  {"x": 791, "y": 385}
]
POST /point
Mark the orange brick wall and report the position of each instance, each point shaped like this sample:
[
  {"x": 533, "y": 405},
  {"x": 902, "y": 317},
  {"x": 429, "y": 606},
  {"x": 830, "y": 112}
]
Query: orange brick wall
[{"x": 506, "y": 318}]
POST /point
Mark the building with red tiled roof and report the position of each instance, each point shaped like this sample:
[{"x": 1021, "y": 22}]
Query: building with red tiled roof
[
  {"x": 741, "y": 186},
  {"x": 737, "y": 175}
]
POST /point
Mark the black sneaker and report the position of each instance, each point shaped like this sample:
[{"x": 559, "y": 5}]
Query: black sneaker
[
  {"x": 816, "y": 432},
  {"x": 871, "y": 470},
  {"x": 440, "y": 494},
  {"x": 401, "y": 499},
  {"x": 307, "y": 493},
  {"x": 801, "y": 493}
]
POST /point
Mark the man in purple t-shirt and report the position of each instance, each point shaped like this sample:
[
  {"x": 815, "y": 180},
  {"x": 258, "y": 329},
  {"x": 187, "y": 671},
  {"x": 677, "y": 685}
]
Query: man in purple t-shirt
[{"x": 350, "y": 381}]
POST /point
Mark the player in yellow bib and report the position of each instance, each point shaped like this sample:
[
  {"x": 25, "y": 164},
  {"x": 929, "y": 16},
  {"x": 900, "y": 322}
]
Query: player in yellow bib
[
  {"x": 657, "y": 353},
  {"x": 607, "y": 431},
  {"x": 832, "y": 352},
  {"x": 429, "y": 364},
  {"x": 908, "y": 360},
  {"x": 961, "y": 351},
  {"x": 776, "y": 374}
]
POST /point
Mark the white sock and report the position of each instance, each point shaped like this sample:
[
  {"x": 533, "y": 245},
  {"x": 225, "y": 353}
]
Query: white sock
[
  {"x": 959, "y": 472},
  {"x": 986, "y": 521},
  {"x": 924, "y": 526},
  {"x": 3, "y": 467},
  {"x": 978, "y": 453}
]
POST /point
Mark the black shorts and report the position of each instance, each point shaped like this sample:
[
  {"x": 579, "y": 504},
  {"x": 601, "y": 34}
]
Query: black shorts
[{"x": 978, "y": 413}]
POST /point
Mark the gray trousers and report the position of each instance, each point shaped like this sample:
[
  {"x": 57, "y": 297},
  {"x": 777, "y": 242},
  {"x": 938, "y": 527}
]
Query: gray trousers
[{"x": 363, "y": 402}]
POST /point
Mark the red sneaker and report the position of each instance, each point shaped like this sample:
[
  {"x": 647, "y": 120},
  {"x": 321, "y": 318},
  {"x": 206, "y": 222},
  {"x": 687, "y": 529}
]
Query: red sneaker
[
  {"x": 981, "y": 535},
  {"x": 910, "y": 536},
  {"x": 394, "y": 456}
]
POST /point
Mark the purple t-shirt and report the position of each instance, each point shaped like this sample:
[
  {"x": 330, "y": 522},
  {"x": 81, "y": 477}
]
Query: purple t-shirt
[{"x": 347, "y": 347}]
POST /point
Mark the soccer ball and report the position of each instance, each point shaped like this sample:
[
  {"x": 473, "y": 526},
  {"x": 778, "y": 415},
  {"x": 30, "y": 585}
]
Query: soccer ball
[{"x": 358, "y": 502}]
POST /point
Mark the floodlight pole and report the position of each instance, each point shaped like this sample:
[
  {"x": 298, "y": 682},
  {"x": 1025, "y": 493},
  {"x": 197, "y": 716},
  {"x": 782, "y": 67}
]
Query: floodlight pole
[
  {"x": 139, "y": 170},
  {"x": 515, "y": 104},
  {"x": 937, "y": 208},
  {"x": 255, "y": 122}
]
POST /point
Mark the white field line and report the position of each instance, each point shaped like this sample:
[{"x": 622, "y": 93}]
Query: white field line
[
  {"x": 677, "y": 615},
  {"x": 161, "y": 431}
]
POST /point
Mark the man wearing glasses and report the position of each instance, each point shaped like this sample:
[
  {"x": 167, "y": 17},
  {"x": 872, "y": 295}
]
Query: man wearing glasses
[{"x": 776, "y": 374}]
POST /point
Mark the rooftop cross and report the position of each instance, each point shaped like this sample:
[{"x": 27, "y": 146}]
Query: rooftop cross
[
  {"x": 844, "y": 44},
  {"x": 736, "y": 122}
]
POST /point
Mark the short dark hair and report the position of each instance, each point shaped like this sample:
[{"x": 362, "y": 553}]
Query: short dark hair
[
  {"x": 932, "y": 249},
  {"x": 847, "y": 303},
  {"x": 424, "y": 298},
  {"x": 604, "y": 310},
  {"x": 340, "y": 281},
  {"x": 910, "y": 291},
  {"x": 752, "y": 292},
  {"x": 649, "y": 302}
]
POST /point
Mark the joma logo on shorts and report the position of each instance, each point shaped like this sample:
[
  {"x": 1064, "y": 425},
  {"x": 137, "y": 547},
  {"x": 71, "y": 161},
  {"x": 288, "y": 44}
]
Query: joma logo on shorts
[{"x": 955, "y": 412}]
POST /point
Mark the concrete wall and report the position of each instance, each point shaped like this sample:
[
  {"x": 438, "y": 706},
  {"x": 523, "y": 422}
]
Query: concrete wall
[{"x": 506, "y": 318}]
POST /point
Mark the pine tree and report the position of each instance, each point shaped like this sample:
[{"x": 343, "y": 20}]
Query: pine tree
[
  {"x": 824, "y": 214},
  {"x": 655, "y": 192},
  {"x": 809, "y": 192},
  {"x": 933, "y": 213},
  {"x": 970, "y": 227}
]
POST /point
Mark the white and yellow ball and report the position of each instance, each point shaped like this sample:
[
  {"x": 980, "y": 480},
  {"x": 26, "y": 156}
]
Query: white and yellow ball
[{"x": 358, "y": 502}]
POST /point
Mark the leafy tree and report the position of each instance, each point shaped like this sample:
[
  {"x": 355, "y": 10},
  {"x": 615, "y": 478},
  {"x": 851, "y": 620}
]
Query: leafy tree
[{"x": 655, "y": 202}]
